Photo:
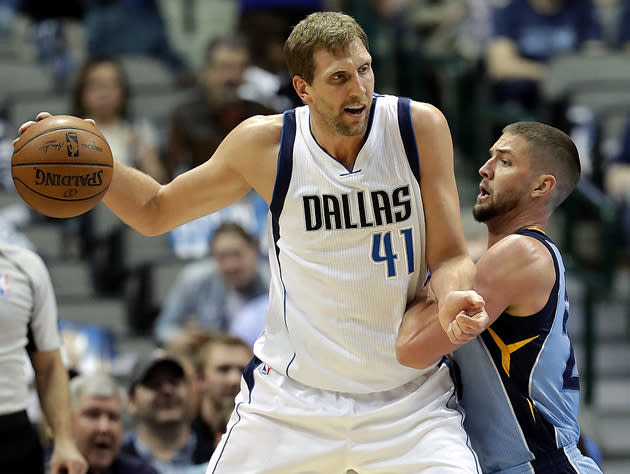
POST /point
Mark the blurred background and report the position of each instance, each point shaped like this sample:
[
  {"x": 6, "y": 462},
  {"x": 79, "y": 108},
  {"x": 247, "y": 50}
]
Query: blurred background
[{"x": 166, "y": 80}]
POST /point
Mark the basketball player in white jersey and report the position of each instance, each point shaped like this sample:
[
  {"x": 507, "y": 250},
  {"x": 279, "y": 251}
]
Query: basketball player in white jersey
[
  {"x": 28, "y": 325},
  {"x": 520, "y": 387},
  {"x": 363, "y": 204}
]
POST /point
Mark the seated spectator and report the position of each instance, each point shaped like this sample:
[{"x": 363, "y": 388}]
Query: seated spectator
[
  {"x": 116, "y": 27},
  {"x": 529, "y": 33},
  {"x": 101, "y": 92},
  {"x": 207, "y": 294},
  {"x": 158, "y": 399},
  {"x": 220, "y": 364},
  {"x": 51, "y": 34},
  {"x": 199, "y": 125},
  {"x": 98, "y": 403}
]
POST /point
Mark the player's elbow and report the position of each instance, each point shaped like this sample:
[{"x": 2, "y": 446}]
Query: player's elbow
[{"x": 408, "y": 355}]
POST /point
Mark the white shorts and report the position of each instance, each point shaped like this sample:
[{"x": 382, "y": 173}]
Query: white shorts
[{"x": 282, "y": 426}]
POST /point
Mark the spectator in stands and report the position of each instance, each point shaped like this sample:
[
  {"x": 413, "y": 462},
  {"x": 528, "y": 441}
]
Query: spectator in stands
[
  {"x": 158, "y": 399},
  {"x": 98, "y": 402},
  {"x": 207, "y": 294},
  {"x": 266, "y": 24},
  {"x": 50, "y": 28},
  {"x": 116, "y": 27},
  {"x": 28, "y": 318},
  {"x": 529, "y": 33},
  {"x": 199, "y": 125},
  {"x": 220, "y": 364},
  {"x": 395, "y": 49},
  {"x": 102, "y": 92}
]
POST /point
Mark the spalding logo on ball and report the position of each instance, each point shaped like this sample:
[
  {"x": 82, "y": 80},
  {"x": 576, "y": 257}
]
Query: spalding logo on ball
[{"x": 62, "y": 166}]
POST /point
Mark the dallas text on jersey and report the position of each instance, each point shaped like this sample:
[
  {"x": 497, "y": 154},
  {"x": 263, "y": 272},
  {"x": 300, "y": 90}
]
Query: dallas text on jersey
[{"x": 333, "y": 212}]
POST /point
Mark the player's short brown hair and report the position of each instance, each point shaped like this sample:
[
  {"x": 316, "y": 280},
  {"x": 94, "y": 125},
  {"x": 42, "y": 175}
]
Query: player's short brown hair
[
  {"x": 332, "y": 31},
  {"x": 551, "y": 152}
]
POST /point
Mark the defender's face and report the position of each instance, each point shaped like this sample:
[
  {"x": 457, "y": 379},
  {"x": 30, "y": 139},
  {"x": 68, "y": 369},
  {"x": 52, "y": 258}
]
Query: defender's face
[
  {"x": 340, "y": 94},
  {"x": 506, "y": 179}
]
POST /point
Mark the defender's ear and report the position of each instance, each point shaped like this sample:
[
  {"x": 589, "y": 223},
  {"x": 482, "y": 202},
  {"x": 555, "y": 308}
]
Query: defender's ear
[{"x": 545, "y": 185}]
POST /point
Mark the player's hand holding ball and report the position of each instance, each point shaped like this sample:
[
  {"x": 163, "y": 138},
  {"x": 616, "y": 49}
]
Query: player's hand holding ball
[{"x": 61, "y": 165}]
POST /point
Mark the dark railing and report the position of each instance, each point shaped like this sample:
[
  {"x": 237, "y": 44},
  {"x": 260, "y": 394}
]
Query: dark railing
[{"x": 596, "y": 272}]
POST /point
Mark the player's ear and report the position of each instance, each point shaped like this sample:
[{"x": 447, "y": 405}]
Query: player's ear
[
  {"x": 302, "y": 89},
  {"x": 545, "y": 184}
]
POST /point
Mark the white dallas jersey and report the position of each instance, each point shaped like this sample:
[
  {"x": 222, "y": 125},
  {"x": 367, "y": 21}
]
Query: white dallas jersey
[
  {"x": 346, "y": 249},
  {"x": 28, "y": 320}
]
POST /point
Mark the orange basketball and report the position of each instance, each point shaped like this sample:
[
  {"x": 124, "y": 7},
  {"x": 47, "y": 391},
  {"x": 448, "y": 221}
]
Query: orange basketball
[{"x": 62, "y": 166}]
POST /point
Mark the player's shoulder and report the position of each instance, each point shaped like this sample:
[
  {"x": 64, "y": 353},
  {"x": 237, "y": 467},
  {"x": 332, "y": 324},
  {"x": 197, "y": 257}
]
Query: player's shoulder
[
  {"x": 427, "y": 116},
  {"x": 27, "y": 259},
  {"x": 516, "y": 254},
  {"x": 263, "y": 129}
]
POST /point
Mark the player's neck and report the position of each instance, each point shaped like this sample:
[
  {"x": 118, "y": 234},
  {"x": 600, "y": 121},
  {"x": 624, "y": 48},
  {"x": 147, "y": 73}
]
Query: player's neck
[
  {"x": 499, "y": 228},
  {"x": 342, "y": 148}
]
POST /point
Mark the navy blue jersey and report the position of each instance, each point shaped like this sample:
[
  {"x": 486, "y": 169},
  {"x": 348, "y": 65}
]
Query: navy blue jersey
[{"x": 520, "y": 387}]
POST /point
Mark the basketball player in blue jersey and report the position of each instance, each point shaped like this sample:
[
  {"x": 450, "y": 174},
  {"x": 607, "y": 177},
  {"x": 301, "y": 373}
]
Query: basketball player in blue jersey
[
  {"x": 520, "y": 387},
  {"x": 363, "y": 203}
]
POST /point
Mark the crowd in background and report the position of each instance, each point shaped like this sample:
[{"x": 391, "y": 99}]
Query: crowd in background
[{"x": 168, "y": 412}]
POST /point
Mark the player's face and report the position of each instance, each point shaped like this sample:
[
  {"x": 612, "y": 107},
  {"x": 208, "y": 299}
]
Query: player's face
[
  {"x": 103, "y": 93},
  {"x": 340, "y": 94},
  {"x": 506, "y": 179},
  {"x": 236, "y": 259},
  {"x": 98, "y": 429},
  {"x": 223, "y": 371},
  {"x": 161, "y": 397}
]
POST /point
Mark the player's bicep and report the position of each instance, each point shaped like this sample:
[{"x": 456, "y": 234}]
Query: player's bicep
[
  {"x": 208, "y": 187},
  {"x": 445, "y": 235},
  {"x": 493, "y": 283}
]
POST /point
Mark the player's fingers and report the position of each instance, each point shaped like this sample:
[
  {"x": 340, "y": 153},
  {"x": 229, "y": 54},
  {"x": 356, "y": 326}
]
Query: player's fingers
[
  {"x": 454, "y": 332},
  {"x": 92, "y": 121},
  {"x": 43, "y": 115},
  {"x": 24, "y": 126},
  {"x": 473, "y": 325}
]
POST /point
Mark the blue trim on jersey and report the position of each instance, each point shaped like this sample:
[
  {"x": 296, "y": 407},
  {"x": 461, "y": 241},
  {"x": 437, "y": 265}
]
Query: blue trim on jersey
[
  {"x": 281, "y": 187},
  {"x": 405, "y": 124},
  {"x": 248, "y": 376},
  {"x": 283, "y": 173}
]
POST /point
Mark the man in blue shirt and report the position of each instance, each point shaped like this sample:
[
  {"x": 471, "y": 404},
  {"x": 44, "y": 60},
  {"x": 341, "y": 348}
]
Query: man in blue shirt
[{"x": 526, "y": 34}]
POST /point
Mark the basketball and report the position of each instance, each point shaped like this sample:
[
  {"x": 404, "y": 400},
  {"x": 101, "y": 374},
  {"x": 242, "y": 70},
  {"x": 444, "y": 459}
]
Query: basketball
[{"x": 62, "y": 166}]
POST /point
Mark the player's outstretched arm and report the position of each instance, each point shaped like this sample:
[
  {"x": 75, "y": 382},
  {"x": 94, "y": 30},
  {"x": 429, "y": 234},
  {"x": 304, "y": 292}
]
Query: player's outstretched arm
[{"x": 244, "y": 159}]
